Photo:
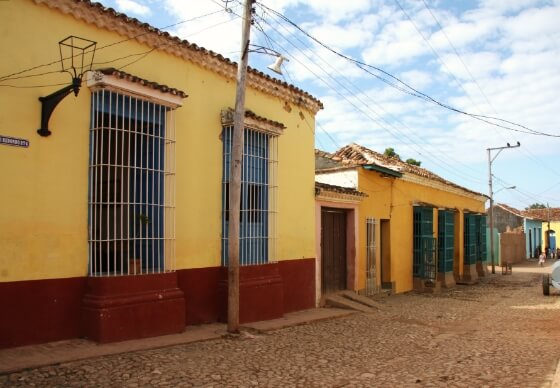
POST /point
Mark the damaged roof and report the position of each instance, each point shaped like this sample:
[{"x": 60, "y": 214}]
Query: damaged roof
[{"x": 357, "y": 155}]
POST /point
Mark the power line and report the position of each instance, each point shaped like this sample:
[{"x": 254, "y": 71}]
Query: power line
[
  {"x": 434, "y": 51},
  {"x": 524, "y": 150},
  {"x": 438, "y": 161},
  {"x": 458, "y": 55},
  {"x": 413, "y": 91},
  {"x": 9, "y": 76}
]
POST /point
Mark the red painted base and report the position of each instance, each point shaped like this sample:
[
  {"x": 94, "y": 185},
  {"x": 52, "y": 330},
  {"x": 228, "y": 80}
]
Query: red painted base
[
  {"x": 261, "y": 293},
  {"x": 125, "y": 307},
  {"x": 200, "y": 286},
  {"x": 36, "y": 311}
]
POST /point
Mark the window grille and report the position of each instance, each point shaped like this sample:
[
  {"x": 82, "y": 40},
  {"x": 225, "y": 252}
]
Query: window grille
[
  {"x": 371, "y": 276},
  {"x": 259, "y": 191},
  {"x": 481, "y": 238},
  {"x": 424, "y": 249},
  {"x": 131, "y": 186},
  {"x": 470, "y": 248},
  {"x": 446, "y": 240}
]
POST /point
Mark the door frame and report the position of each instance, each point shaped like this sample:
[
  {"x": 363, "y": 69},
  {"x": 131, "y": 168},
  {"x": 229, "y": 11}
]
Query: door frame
[
  {"x": 337, "y": 277},
  {"x": 351, "y": 209}
]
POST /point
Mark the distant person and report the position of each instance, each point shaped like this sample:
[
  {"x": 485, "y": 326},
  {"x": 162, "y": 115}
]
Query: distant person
[{"x": 541, "y": 259}]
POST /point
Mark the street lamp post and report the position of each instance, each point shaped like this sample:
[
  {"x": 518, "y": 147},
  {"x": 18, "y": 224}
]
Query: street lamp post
[{"x": 491, "y": 208}]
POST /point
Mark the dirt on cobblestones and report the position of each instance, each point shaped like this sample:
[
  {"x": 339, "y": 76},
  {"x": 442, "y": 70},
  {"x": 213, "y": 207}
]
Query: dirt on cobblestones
[{"x": 501, "y": 332}]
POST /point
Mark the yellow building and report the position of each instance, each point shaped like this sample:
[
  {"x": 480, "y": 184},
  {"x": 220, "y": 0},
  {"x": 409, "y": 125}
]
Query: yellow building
[
  {"x": 550, "y": 226},
  {"x": 415, "y": 229},
  {"x": 114, "y": 217}
]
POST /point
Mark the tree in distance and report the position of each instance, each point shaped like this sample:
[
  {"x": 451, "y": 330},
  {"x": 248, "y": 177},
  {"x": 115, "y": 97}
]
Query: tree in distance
[
  {"x": 536, "y": 205},
  {"x": 390, "y": 152}
]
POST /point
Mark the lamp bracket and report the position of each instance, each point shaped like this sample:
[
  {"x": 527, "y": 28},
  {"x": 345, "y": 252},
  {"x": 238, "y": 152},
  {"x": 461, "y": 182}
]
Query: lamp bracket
[{"x": 49, "y": 103}]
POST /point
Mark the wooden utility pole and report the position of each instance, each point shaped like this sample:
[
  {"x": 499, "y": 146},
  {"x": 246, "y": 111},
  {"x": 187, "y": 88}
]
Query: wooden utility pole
[
  {"x": 235, "y": 174},
  {"x": 491, "y": 194}
]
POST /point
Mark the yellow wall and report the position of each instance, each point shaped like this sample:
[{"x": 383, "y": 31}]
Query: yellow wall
[
  {"x": 393, "y": 198},
  {"x": 43, "y": 221},
  {"x": 554, "y": 225}
]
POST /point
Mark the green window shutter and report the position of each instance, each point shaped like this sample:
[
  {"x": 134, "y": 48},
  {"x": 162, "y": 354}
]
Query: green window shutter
[
  {"x": 484, "y": 255},
  {"x": 470, "y": 239},
  {"x": 446, "y": 240},
  {"x": 423, "y": 238}
]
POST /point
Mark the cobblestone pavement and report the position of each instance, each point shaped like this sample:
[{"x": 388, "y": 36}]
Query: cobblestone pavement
[{"x": 501, "y": 332}]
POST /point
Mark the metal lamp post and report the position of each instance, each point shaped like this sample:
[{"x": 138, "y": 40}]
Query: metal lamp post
[{"x": 491, "y": 208}]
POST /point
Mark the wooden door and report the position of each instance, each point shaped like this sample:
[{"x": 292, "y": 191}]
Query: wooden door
[{"x": 333, "y": 250}]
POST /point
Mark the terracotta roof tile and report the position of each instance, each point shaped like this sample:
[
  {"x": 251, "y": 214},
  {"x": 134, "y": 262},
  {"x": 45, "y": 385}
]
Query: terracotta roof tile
[
  {"x": 360, "y": 155},
  {"x": 122, "y": 23},
  {"x": 338, "y": 189},
  {"x": 143, "y": 82},
  {"x": 544, "y": 214},
  {"x": 510, "y": 209},
  {"x": 253, "y": 115}
]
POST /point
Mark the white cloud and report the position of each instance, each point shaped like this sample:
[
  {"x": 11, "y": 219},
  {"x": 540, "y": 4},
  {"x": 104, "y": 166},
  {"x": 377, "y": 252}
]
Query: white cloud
[
  {"x": 420, "y": 79},
  {"x": 479, "y": 65},
  {"x": 511, "y": 49},
  {"x": 133, "y": 7},
  {"x": 342, "y": 37},
  {"x": 398, "y": 42},
  {"x": 208, "y": 25}
]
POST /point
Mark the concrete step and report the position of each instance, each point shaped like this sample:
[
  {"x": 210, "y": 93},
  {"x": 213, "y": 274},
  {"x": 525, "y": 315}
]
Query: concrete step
[
  {"x": 361, "y": 299},
  {"x": 345, "y": 303}
]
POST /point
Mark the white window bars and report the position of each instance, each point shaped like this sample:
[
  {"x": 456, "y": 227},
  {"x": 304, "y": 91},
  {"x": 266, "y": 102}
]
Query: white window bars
[
  {"x": 371, "y": 274},
  {"x": 131, "y": 186},
  {"x": 259, "y": 197}
]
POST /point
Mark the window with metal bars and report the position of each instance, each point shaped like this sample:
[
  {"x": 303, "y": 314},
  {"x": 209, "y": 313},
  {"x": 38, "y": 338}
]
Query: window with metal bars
[
  {"x": 370, "y": 256},
  {"x": 481, "y": 237},
  {"x": 131, "y": 186},
  {"x": 446, "y": 240},
  {"x": 470, "y": 247},
  {"x": 257, "y": 229},
  {"x": 424, "y": 248}
]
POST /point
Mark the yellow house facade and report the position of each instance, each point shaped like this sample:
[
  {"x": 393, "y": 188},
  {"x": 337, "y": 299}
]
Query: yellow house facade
[
  {"x": 550, "y": 225},
  {"x": 415, "y": 229},
  {"x": 116, "y": 212}
]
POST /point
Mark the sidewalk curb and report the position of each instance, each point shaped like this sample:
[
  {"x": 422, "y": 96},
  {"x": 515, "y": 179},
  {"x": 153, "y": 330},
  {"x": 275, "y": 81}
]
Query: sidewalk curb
[{"x": 18, "y": 359}]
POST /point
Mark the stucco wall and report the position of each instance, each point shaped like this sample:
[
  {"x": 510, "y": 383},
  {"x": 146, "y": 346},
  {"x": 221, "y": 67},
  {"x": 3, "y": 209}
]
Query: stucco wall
[
  {"x": 512, "y": 247},
  {"x": 503, "y": 219},
  {"x": 44, "y": 217},
  {"x": 393, "y": 198}
]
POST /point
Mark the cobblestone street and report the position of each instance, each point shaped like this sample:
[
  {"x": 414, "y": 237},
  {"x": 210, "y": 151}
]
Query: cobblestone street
[{"x": 501, "y": 332}]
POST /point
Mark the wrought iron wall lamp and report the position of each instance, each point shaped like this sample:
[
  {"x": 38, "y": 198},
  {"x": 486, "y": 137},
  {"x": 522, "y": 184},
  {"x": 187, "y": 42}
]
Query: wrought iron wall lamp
[{"x": 76, "y": 58}]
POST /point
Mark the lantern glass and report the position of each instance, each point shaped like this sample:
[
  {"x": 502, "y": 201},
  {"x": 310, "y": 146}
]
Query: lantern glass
[{"x": 76, "y": 55}]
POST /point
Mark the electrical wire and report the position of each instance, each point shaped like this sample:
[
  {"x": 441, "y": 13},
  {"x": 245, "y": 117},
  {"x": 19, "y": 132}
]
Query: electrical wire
[
  {"x": 458, "y": 55},
  {"x": 10, "y": 76},
  {"x": 434, "y": 51},
  {"x": 411, "y": 90},
  {"x": 438, "y": 161},
  {"x": 524, "y": 150}
]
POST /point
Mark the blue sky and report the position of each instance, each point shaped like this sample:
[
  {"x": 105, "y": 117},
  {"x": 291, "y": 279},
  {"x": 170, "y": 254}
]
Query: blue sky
[{"x": 498, "y": 58}]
